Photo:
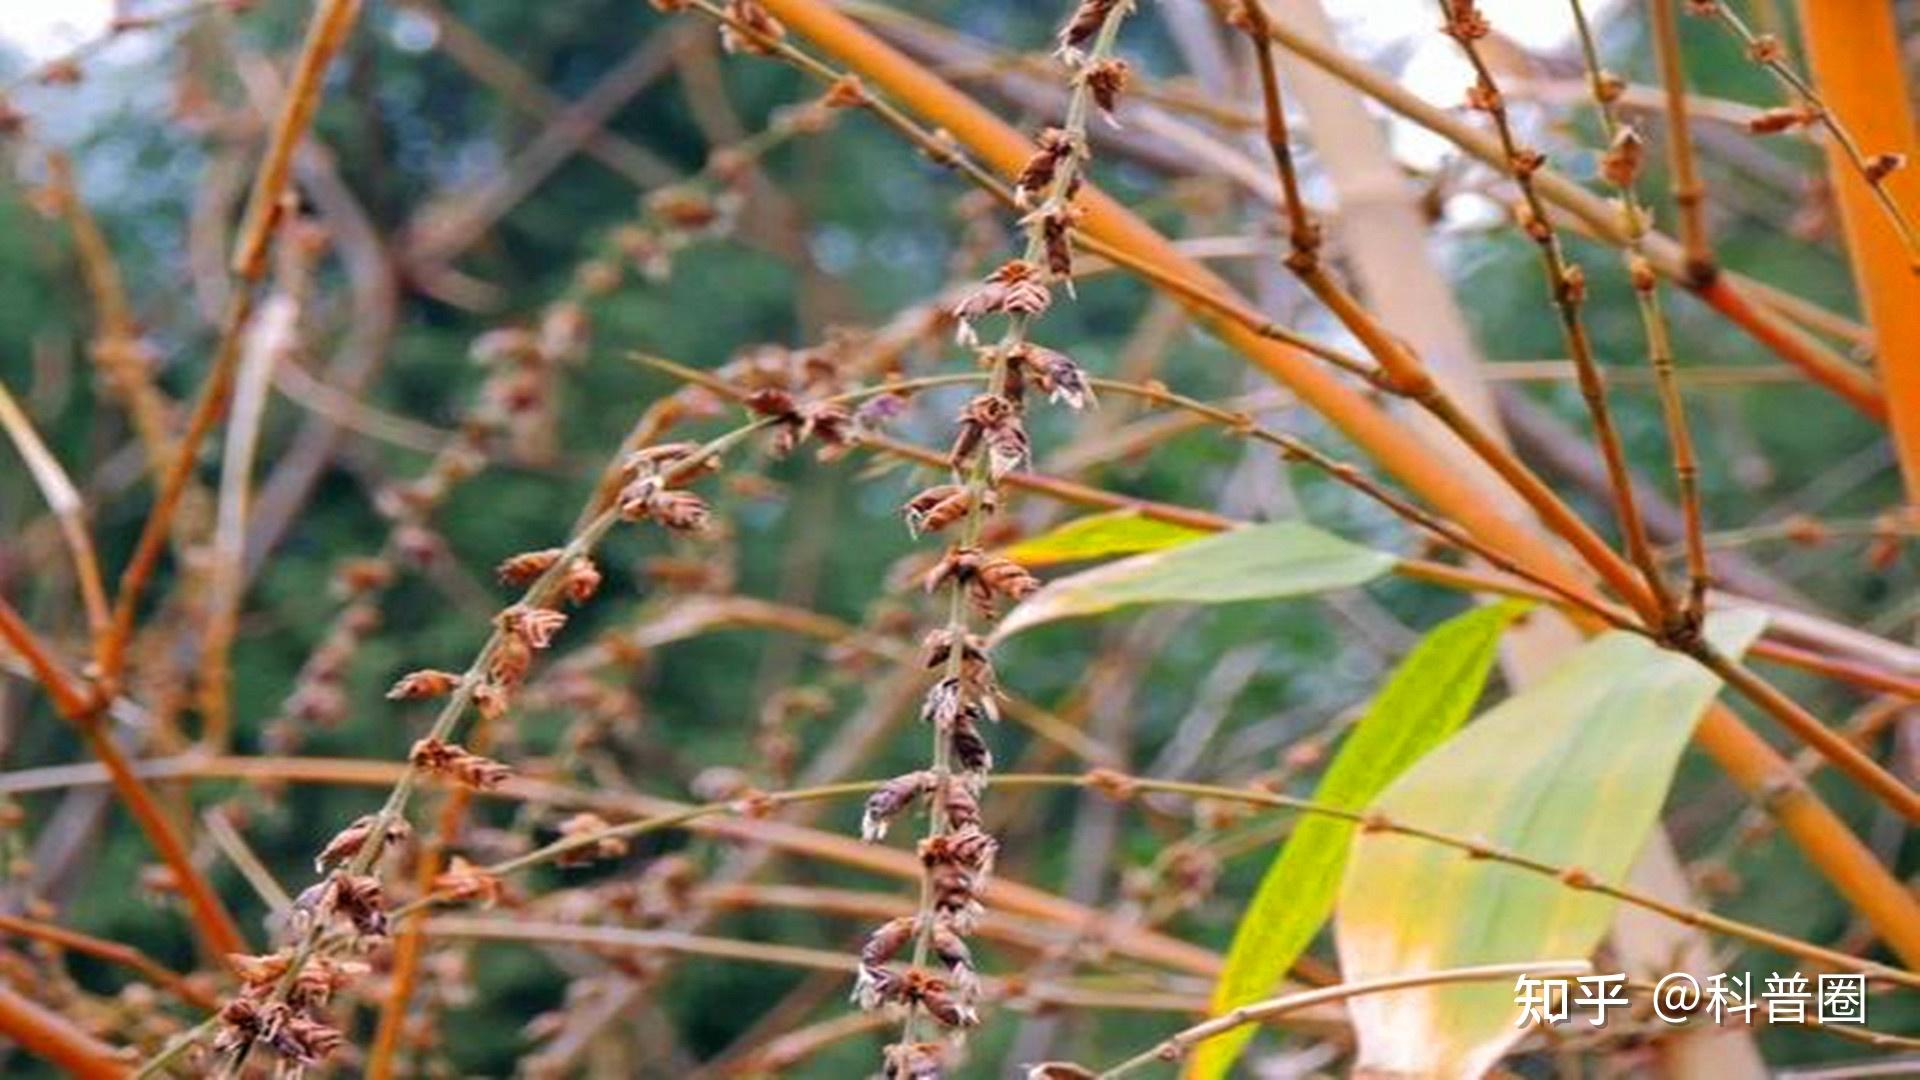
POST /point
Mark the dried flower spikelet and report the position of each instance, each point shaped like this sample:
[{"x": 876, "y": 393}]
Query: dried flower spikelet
[
  {"x": 914, "y": 1061},
  {"x": 936, "y": 649},
  {"x": 1114, "y": 785},
  {"x": 1783, "y": 118},
  {"x": 358, "y": 899},
  {"x": 1880, "y": 166},
  {"x": 1572, "y": 288},
  {"x": 459, "y": 764},
  {"x": 1016, "y": 288},
  {"x": 1082, "y": 27},
  {"x": 577, "y": 829},
  {"x": 1106, "y": 81},
  {"x": 347, "y": 843},
  {"x": 1465, "y": 22},
  {"x": 936, "y": 508},
  {"x": 889, "y": 800},
  {"x": 1052, "y": 149},
  {"x": 846, "y": 92},
  {"x": 1004, "y": 577},
  {"x": 490, "y": 699},
  {"x": 962, "y": 801},
  {"x": 969, "y": 748},
  {"x": 1621, "y": 163},
  {"x": 1641, "y": 273},
  {"x": 1805, "y": 530},
  {"x": 1057, "y": 221},
  {"x": 425, "y": 683},
  {"x": 580, "y": 580},
  {"x": 950, "y": 948},
  {"x": 1766, "y": 49},
  {"x": 750, "y": 29},
  {"x": 357, "y": 577},
  {"x": 874, "y": 985},
  {"x": 943, "y": 704},
  {"x": 463, "y": 882},
  {"x": 646, "y": 500},
  {"x": 1056, "y": 375},
  {"x": 535, "y": 626},
  {"x": 1008, "y": 450},
  {"x": 936, "y": 996},
  {"x": 523, "y": 568}
]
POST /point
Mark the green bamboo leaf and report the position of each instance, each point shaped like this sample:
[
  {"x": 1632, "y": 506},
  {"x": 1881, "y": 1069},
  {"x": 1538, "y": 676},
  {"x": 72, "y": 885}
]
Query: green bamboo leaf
[
  {"x": 1572, "y": 772},
  {"x": 1121, "y": 532},
  {"x": 1428, "y": 696},
  {"x": 1260, "y": 562}
]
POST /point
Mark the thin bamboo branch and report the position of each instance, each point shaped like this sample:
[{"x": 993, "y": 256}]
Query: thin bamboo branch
[
  {"x": 269, "y": 341},
  {"x": 63, "y": 500},
  {"x": 1176, "y": 1046},
  {"x": 48, "y": 1035},
  {"x": 1689, "y": 194},
  {"x": 1621, "y": 167},
  {"x": 113, "y": 952}
]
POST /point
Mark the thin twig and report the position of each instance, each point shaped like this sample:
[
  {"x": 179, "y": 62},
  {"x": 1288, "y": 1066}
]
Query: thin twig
[
  {"x": 1689, "y": 194},
  {"x": 1175, "y": 1046},
  {"x": 63, "y": 500}
]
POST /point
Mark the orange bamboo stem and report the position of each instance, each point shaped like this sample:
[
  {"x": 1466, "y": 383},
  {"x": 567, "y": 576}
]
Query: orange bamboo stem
[
  {"x": 1857, "y": 874},
  {"x": 217, "y": 928},
  {"x": 1854, "y": 51},
  {"x": 51, "y": 1037},
  {"x": 113, "y": 952}
]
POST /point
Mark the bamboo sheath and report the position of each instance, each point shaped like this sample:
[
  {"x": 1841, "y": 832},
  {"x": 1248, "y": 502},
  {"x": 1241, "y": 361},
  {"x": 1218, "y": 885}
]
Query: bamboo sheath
[{"x": 1742, "y": 753}]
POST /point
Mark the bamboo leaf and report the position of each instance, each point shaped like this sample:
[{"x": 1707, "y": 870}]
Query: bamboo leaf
[
  {"x": 1427, "y": 698},
  {"x": 1571, "y": 771},
  {"x": 1260, "y": 562},
  {"x": 1121, "y": 532}
]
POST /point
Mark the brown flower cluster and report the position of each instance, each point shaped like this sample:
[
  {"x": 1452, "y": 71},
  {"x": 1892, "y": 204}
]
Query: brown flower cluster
[{"x": 284, "y": 1014}]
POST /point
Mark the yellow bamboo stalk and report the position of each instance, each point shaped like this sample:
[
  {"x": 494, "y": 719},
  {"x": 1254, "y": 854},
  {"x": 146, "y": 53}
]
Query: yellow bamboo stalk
[{"x": 1853, "y": 48}]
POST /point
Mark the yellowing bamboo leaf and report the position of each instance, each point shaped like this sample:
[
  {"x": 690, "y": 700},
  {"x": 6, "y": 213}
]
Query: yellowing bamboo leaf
[
  {"x": 1121, "y": 532},
  {"x": 1425, "y": 700},
  {"x": 1572, "y": 772},
  {"x": 1260, "y": 562}
]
